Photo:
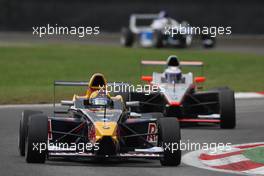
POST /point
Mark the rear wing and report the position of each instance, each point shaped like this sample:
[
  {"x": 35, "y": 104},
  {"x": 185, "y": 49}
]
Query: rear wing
[
  {"x": 198, "y": 64},
  {"x": 79, "y": 83},
  {"x": 70, "y": 83},
  {"x": 182, "y": 63},
  {"x": 135, "y": 28},
  {"x": 85, "y": 83},
  {"x": 64, "y": 83}
]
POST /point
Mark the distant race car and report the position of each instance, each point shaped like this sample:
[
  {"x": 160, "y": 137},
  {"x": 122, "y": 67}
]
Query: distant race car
[
  {"x": 98, "y": 126},
  {"x": 179, "y": 95},
  {"x": 142, "y": 31}
]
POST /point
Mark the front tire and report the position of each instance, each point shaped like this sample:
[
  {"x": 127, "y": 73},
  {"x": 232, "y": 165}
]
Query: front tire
[
  {"x": 127, "y": 37},
  {"x": 158, "y": 39},
  {"x": 169, "y": 135},
  {"x": 227, "y": 109},
  {"x": 23, "y": 129},
  {"x": 37, "y": 136}
]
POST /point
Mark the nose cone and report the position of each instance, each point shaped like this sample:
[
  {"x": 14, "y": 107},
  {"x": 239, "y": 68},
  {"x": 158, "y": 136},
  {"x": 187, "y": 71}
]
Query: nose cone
[{"x": 105, "y": 129}]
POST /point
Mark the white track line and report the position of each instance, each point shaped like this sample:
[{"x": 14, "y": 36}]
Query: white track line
[
  {"x": 247, "y": 95},
  {"x": 225, "y": 160},
  {"x": 257, "y": 171}
]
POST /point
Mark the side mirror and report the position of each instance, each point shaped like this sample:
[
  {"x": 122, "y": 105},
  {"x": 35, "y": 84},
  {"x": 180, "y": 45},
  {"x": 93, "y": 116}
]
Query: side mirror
[
  {"x": 147, "y": 78},
  {"x": 133, "y": 103},
  {"x": 67, "y": 103},
  {"x": 200, "y": 79}
]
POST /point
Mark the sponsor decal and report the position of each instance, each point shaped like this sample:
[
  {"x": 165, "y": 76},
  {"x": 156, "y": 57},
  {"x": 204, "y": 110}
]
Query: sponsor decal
[{"x": 152, "y": 129}]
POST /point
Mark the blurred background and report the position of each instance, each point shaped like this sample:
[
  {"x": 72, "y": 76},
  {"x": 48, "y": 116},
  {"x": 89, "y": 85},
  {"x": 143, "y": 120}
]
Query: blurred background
[
  {"x": 245, "y": 16},
  {"x": 29, "y": 64}
]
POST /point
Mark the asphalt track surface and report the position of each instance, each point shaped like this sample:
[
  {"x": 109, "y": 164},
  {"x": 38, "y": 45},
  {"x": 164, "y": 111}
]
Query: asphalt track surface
[{"x": 250, "y": 125}]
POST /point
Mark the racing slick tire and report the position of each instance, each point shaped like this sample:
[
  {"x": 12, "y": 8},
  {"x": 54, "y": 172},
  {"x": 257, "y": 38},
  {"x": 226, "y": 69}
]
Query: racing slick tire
[
  {"x": 36, "y": 141},
  {"x": 23, "y": 129},
  {"x": 127, "y": 37},
  {"x": 208, "y": 41},
  {"x": 158, "y": 39},
  {"x": 227, "y": 108},
  {"x": 185, "y": 41},
  {"x": 169, "y": 135}
]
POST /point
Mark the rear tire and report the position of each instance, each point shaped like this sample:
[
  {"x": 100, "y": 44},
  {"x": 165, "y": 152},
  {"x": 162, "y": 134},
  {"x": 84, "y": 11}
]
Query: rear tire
[
  {"x": 183, "y": 41},
  {"x": 158, "y": 39},
  {"x": 37, "y": 135},
  {"x": 127, "y": 37},
  {"x": 169, "y": 134},
  {"x": 208, "y": 41},
  {"x": 227, "y": 109},
  {"x": 23, "y": 129}
]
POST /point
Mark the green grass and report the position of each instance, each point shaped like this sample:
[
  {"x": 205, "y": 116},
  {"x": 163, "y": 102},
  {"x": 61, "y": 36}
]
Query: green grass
[
  {"x": 256, "y": 154},
  {"x": 27, "y": 72}
]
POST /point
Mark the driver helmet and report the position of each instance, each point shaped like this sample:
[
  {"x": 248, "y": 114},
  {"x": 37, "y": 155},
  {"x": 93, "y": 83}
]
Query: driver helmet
[
  {"x": 173, "y": 74},
  {"x": 100, "y": 98},
  {"x": 163, "y": 14}
]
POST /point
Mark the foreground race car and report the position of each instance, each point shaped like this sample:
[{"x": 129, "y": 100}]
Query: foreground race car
[
  {"x": 98, "y": 126},
  {"x": 179, "y": 95},
  {"x": 142, "y": 31}
]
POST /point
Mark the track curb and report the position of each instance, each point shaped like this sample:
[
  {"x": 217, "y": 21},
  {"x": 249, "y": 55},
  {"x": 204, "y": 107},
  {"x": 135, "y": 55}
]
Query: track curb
[{"x": 228, "y": 161}]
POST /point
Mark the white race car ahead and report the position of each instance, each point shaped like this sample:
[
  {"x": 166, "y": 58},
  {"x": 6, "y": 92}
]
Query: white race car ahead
[
  {"x": 179, "y": 95},
  {"x": 151, "y": 30}
]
